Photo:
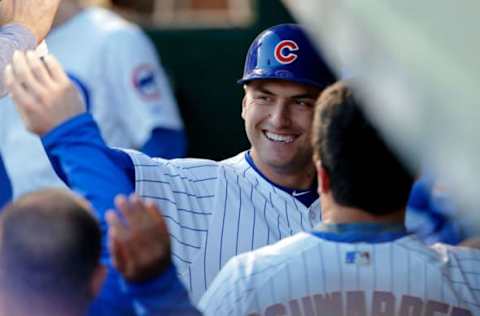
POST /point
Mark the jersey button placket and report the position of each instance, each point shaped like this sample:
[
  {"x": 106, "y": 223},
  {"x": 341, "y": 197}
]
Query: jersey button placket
[{"x": 312, "y": 217}]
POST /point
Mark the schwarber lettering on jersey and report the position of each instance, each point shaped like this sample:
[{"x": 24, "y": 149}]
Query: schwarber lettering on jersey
[
  {"x": 309, "y": 274},
  {"x": 362, "y": 303}
]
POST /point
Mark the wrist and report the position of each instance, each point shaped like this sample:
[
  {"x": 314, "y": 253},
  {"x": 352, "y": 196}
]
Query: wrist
[{"x": 25, "y": 39}]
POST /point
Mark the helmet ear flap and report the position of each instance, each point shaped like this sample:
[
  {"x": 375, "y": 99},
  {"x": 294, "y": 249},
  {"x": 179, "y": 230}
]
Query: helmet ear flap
[{"x": 285, "y": 52}]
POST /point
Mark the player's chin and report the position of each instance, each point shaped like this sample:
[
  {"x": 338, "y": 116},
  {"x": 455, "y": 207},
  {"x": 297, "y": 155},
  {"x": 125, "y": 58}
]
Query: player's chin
[{"x": 280, "y": 160}]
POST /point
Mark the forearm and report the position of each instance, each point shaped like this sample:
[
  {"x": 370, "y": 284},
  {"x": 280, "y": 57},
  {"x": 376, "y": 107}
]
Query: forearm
[
  {"x": 81, "y": 158},
  {"x": 13, "y": 37}
]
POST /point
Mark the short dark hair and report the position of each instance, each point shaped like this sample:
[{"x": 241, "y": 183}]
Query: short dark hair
[
  {"x": 364, "y": 173},
  {"x": 50, "y": 247}
]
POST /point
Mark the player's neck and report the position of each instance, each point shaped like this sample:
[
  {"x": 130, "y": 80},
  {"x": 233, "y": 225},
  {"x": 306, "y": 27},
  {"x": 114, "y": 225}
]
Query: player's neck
[
  {"x": 333, "y": 213},
  {"x": 301, "y": 179}
]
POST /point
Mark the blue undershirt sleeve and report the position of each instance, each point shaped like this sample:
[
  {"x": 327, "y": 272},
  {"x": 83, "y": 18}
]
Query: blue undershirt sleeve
[
  {"x": 166, "y": 143},
  {"x": 83, "y": 161},
  {"x": 164, "y": 295}
]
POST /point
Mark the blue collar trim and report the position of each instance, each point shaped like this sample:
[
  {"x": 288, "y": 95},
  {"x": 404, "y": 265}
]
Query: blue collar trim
[
  {"x": 360, "y": 232},
  {"x": 306, "y": 197}
]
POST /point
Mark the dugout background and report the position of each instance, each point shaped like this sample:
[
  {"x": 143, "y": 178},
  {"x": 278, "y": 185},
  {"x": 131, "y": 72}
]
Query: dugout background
[{"x": 203, "y": 66}]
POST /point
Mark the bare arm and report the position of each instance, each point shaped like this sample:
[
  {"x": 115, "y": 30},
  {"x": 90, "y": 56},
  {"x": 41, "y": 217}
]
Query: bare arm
[
  {"x": 23, "y": 24},
  {"x": 13, "y": 37},
  {"x": 36, "y": 15}
]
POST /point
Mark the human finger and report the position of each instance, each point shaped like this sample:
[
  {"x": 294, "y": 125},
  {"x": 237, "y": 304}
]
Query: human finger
[
  {"x": 137, "y": 215},
  {"x": 39, "y": 69},
  {"x": 116, "y": 227},
  {"x": 156, "y": 215},
  {"x": 23, "y": 74},
  {"x": 55, "y": 69},
  {"x": 117, "y": 254},
  {"x": 22, "y": 98}
]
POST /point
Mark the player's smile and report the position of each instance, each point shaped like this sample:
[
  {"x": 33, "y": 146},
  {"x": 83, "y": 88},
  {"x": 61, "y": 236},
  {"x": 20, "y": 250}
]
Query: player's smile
[{"x": 280, "y": 138}]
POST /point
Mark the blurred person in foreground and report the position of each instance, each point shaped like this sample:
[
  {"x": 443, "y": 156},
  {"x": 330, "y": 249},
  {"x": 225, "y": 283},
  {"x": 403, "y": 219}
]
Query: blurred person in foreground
[
  {"x": 360, "y": 260},
  {"x": 50, "y": 245},
  {"x": 23, "y": 25}
]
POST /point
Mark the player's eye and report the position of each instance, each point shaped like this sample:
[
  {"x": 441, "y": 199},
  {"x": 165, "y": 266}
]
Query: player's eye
[
  {"x": 304, "y": 102},
  {"x": 263, "y": 99}
]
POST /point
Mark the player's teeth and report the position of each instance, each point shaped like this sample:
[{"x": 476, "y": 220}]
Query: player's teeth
[{"x": 279, "y": 138}]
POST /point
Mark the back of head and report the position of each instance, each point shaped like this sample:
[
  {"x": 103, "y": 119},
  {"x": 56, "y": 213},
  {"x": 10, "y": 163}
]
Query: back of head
[
  {"x": 50, "y": 247},
  {"x": 285, "y": 52},
  {"x": 364, "y": 173}
]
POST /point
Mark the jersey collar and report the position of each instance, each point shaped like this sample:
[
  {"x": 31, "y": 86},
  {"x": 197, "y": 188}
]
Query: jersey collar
[
  {"x": 360, "y": 232},
  {"x": 306, "y": 197}
]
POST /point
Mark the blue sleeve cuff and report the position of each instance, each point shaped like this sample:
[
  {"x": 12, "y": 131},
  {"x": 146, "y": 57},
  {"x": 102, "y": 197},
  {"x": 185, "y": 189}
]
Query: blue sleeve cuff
[
  {"x": 158, "y": 285},
  {"x": 164, "y": 295},
  {"x": 66, "y": 128}
]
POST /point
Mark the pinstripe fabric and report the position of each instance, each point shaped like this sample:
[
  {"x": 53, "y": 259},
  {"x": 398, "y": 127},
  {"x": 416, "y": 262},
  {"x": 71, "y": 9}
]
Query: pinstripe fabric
[
  {"x": 216, "y": 210},
  {"x": 313, "y": 276}
]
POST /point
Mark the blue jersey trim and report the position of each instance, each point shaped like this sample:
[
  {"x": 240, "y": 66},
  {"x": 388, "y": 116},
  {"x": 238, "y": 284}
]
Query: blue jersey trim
[
  {"x": 306, "y": 197},
  {"x": 82, "y": 87},
  {"x": 360, "y": 232},
  {"x": 5, "y": 185}
]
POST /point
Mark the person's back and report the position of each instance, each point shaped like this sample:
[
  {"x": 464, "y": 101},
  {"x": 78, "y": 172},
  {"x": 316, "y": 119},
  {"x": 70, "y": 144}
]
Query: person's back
[{"x": 308, "y": 275}]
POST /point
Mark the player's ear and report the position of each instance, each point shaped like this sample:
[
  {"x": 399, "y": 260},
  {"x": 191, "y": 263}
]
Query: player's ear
[
  {"x": 322, "y": 177},
  {"x": 244, "y": 106},
  {"x": 97, "y": 279}
]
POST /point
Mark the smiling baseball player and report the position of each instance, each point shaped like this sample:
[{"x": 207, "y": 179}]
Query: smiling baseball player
[{"x": 214, "y": 210}]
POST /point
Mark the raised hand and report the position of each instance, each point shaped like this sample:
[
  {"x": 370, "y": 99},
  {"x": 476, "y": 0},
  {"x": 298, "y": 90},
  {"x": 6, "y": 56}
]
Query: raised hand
[
  {"x": 36, "y": 15},
  {"x": 138, "y": 239},
  {"x": 44, "y": 95}
]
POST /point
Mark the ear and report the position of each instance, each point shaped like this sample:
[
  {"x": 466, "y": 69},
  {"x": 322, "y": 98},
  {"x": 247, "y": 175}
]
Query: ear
[
  {"x": 323, "y": 178},
  {"x": 97, "y": 279},
  {"x": 244, "y": 106}
]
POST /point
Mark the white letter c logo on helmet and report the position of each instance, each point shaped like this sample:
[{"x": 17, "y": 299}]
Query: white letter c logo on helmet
[{"x": 286, "y": 57}]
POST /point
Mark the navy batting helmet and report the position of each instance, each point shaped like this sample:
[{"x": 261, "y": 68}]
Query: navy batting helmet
[{"x": 285, "y": 52}]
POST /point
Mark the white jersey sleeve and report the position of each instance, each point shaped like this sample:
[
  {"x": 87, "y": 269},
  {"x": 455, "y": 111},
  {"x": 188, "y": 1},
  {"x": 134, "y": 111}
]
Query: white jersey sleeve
[
  {"x": 136, "y": 86},
  {"x": 185, "y": 190}
]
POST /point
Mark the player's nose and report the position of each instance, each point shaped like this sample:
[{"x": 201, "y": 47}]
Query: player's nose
[{"x": 280, "y": 115}]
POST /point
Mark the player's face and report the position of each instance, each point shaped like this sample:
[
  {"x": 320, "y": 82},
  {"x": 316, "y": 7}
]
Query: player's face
[{"x": 278, "y": 117}]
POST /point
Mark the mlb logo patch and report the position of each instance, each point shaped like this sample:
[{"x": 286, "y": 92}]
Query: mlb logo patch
[
  {"x": 144, "y": 80},
  {"x": 357, "y": 257}
]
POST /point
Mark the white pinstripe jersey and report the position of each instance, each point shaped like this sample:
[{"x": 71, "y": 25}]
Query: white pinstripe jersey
[
  {"x": 217, "y": 210},
  {"x": 307, "y": 275}
]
